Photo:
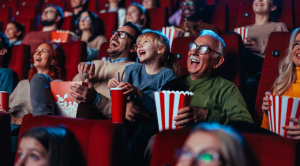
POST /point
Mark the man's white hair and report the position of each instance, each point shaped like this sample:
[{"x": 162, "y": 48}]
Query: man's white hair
[{"x": 222, "y": 45}]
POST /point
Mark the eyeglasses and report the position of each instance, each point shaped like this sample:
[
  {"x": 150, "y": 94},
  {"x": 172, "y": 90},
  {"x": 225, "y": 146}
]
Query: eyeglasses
[
  {"x": 206, "y": 157},
  {"x": 47, "y": 12},
  {"x": 122, "y": 34},
  {"x": 83, "y": 18},
  {"x": 203, "y": 49},
  {"x": 189, "y": 4}
]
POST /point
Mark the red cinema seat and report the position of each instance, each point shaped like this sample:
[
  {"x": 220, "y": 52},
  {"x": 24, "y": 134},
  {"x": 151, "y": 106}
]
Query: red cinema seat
[
  {"x": 246, "y": 15},
  {"x": 93, "y": 6},
  {"x": 297, "y": 13},
  {"x": 75, "y": 52},
  {"x": 103, "y": 4},
  {"x": 30, "y": 2},
  {"x": 1, "y": 27},
  {"x": 211, "y": 2},
  {"x": 20, "y": 61},
  {"x": 217, "y": 15},
  {"x": 231, "y": 69},
  {"x": 264, "y": 149},
  {"x": 25, "y": 12},
  {"x": 4, "y": 138},
  {"x": 12, "y": 3},
  {"x": 102, "y": 143},
  {"x": 110, "y": 22},
  {"x": 270, "y": 69},
  {"x": 6, "y": 16},
  {"x": 234, "y": 6},
  {"x": 28, "y": 23},
  {"x": 102, "y": 51},
  {"x": 158, "y": 18}
]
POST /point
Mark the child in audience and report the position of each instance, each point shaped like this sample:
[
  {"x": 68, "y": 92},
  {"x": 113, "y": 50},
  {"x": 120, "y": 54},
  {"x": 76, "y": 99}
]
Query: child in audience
[
  {"x": 212, "y": 144},
  {"x": 51, "y": 146},
  {"x": 14, "y": 32},
  {"x": 157, "y": 67},
  {"x": 115, "y": 6},
  {"x": 91, "y": 32},
  {"x": 148, "y": 4},
  {"x": 136, "y": 14},
  {"x": 287, "y": 83}
]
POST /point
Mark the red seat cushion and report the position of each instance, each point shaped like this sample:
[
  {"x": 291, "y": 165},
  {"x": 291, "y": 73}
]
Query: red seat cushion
[
  {"x": 4, "y": 138},
  {"x": 158, "y": 18},
  {"x": 102, "y": 142},
  {"x": 75, "y": 52},
  {"x": 20, "y": 61},
  {"x": 110, "y": 22},
  {"x": 102, "y": 51},
  {"x": 217, "y": 15},
  {"x": 270, "y": 69}
]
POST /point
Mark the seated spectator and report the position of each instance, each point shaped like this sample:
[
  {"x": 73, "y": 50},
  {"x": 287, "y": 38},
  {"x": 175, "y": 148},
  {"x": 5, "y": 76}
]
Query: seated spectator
[
  {"x": 51, "y": 146},
  {"x": 78, "y": 7},
  {"x": 7, "y": 77},
  {"x": 47, "y": 61},
  {"x": 136, "y": 14},
  {"x": 148, "y": 4},
  {"x": 212, "y": 144},
  {"x": 287, "y": 84},
  {"x": 114, "y": 6},
  {"x": 51, "y": 19},
  {"x": 91, "y": 33},
  {"x": 14, "y": 32},
  {"x": 191, "y": 12}
]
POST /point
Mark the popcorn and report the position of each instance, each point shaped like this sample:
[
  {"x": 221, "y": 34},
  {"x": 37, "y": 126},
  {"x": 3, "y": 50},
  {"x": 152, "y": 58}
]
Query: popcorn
[
  {"x": 171, "y": 33},
  {"x": 243, "y": 32},
  {"x": 62, "y": 36}
]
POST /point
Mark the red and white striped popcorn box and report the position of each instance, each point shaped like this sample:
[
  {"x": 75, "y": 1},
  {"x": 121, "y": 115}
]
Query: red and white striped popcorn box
[
  {"x": 243, "y": 32},
  {"x": 171, "y": 33},
  {"x": 167, "y": 105},
  {"x": 282, "y": 108}
]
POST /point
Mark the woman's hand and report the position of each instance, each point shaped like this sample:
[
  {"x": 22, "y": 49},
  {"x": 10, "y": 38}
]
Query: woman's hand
[
  {"x": 127, "y": 87},
  {"x": 293, "y": 131},
  {"x": 252, "y": 45},
  {"x": 266, "y": 105},
  {"x": 112, "y": 83}
]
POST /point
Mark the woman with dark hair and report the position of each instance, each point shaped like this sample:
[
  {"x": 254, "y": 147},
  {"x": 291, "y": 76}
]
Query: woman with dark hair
[
  {"x": 136, "y": 14},
  {"x": 14, "y": 32},
  {"x": 49, "y": 146},
  {"x": 91, "y": 32}
]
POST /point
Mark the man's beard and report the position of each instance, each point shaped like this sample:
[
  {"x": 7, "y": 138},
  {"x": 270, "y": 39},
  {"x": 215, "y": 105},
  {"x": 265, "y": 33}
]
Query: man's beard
[{"x": 47, "y": 22}]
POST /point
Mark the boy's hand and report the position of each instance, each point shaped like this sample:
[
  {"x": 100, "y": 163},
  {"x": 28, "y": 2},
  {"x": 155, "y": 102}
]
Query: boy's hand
[{"x": 112, "y": 83}]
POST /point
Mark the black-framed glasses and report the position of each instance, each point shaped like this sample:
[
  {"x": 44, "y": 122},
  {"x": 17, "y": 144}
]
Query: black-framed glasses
[
  {"x": 188, "y": 4},
  {"x": 83, "y": 18},
  {"x": 122, "y": 34},
  {"x": 205, "y": 157},
  {"x": 203, "y": 49}
]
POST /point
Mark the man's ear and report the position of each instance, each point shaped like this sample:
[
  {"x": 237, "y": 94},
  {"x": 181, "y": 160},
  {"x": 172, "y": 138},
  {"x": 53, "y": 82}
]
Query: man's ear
[
  {"x": 219, "y": 61},
  {"x": 58, "y": 19},
  {"x": 3, "y": 51},
  {"x": 19, "y": 33},
  {"x": 133, "y": 49}
]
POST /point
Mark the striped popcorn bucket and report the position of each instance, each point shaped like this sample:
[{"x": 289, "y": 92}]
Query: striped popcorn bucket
[
  {"x": 243, "y": 32},
  {"x": 282, "y": 109},
  {"x": 167, "y": 105},
  {"x": 171, "y": 33}
]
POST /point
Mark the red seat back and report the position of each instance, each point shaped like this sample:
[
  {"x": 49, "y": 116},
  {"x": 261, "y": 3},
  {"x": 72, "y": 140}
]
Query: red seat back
[
  {"x": 102, "y": 143},
  {"x": 231, "y": 69},
  {"x": 265, "y": 149},
  {"x": 102, "y": 51},
  {"x": 234, "y": 6},
  {"x": 217, "y": 15},
  {"x": 158, "y": 18},
  {"x": 75, "y": 52},
  {"x": 270, "y": 69},
  {"x": 20, "y": 61},
  {"x": 30, "y": 2},
  {"x": 4, "y": 138},
  {"x": 246, "y": 15},
  {"x": 25, "y": 12},
  {"x": 12, "y": 4},
  {"x": 28, "y": 23},
  {"x": 6, "y": 16},
  {"x": 110, "y": 22},
  {"x": 297, "y": 13},
  {"x": 102, "y": 4},
  {"x": 93, "y": 6}
]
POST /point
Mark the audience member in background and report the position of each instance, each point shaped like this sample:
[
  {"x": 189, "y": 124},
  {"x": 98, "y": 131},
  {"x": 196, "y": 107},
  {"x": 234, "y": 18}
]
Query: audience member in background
[
  {"x": 258, "y": 33},
  {"x": 7, "y": 77},
  {"x": 287, "y": 83},
  {"x": 78, "y": 7},
  {"x": 95, "y": 99},
  {"x": 136, "y": 14},
  {"x": 212, "y": 144},
  {"x": 157, "y": 67},
  {"x": 51, "y": 19},
  {"x": 51, "y": 146},
  {"x": 192, "y": 22},
  {"x": 148, "y": 4},
  {"x": 91, "y": 32},
  {"x": 114, "y": 6},
  {"x": 14, "y": 32},
  {"x": 47, "y": 61}
]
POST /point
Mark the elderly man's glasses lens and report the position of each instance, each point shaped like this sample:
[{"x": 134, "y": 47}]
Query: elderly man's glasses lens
[
  {"x": 84, "y": 18},
  {"x": 206, "y": 157},
  {"x": 203, "y": 49},
  {"x": 122, "y": 34},
  {"x": 189, "y": 4}
]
